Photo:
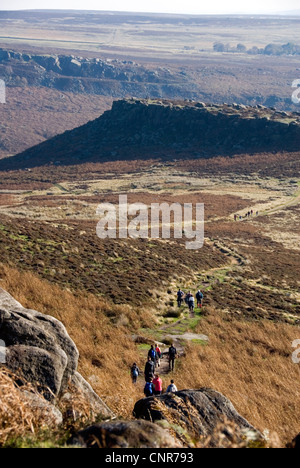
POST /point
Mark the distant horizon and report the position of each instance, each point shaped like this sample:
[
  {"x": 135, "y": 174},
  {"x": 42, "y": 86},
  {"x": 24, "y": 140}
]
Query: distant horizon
[
  {"x": 172, "y": 7},
  {"x": 278, "y": 13}
]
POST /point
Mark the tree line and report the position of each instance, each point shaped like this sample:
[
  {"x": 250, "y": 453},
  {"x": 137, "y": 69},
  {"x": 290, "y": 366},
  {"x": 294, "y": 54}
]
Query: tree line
[{"x": 271, "y": 49}]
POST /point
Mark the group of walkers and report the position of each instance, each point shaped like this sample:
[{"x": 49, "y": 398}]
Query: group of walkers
[
  {"x": 154, "y": 383},
  {"x": 190, "y": 299},
  {"x": 248, "y": 215}
]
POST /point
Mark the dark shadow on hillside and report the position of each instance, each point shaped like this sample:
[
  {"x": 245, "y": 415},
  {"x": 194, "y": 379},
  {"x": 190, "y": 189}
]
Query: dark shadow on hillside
[{"x": 142, "y": 129}]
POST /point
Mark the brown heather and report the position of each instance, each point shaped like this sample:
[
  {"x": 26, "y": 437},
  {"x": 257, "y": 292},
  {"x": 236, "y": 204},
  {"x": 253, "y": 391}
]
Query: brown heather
[
  {"x": 250, "y": 362},
  {"x": 17, "y": 417}
]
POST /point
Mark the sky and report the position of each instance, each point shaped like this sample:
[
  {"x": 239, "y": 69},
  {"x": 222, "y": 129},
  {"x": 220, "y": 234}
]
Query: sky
[{"x": 159, "y": 6}]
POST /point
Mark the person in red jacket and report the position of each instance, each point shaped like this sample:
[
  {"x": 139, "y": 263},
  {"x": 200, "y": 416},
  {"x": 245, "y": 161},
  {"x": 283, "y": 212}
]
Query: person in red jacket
[{"x": 157, "y": 382}]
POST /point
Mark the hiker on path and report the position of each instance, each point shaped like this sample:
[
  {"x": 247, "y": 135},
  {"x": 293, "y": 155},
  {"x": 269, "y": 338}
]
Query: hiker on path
[
  {"x": 157, "y": 382},
  {"x": 199, "y": 297},
  {"x": 158, "y": 353},
  {"x": 153, "y": 355},
  {"x": 172, "y": 357},
  {"x": 180, "y": 296},
  {"x": 172, "y": 388},
  {"x": 187, "y": 297},
  {"x": 149, "y": 370},
  {"x": 135, "y": 372},
  {"x": 149, "y": 388},
  {"x": 191, "y": 303}
]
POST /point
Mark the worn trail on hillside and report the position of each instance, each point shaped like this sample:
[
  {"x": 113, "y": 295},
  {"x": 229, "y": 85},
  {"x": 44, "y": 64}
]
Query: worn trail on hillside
[{"x": 179, "y": 332}]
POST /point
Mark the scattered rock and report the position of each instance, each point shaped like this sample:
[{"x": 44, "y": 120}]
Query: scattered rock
[{"x": 121, "y": 434}]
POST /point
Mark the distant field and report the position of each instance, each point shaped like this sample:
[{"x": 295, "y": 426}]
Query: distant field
[{"x": 152, "y": 35}]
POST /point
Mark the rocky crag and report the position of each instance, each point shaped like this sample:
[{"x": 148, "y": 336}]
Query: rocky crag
[
  {"x": 149, "y": 129},
  {"x": 113, "y": 78}
]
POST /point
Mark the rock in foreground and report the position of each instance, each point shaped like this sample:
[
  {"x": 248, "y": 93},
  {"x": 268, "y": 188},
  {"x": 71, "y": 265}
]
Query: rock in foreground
[
  {"x": 40, "y": 351},
  {"x": 125, "y": 434},
  {"x": 295, "y": 444},
  {"x": 199, "y": 412}
]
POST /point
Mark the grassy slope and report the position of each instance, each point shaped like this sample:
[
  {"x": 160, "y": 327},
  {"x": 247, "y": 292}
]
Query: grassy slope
[{"x": 248, "y": 361}]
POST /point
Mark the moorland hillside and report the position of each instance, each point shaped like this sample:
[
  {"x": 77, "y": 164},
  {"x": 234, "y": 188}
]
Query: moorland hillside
[{"x": 147, "y": 129}]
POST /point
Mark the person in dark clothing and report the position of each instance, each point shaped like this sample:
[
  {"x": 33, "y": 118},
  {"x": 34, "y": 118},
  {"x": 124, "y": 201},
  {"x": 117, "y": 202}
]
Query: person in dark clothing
[
  {"x": 187, "y": 297},
  {"x": 191, "y": 303},
  {"x": 149, "y": 389},
  {"x": 199, "y": 297},
  {"x": 172, "y": 357},
  {"x": 180, "y": 296},
  {"x": 135, "y": 372},
  {"x": 153, "y": 355},
  {"x": 149, "y": 370}
]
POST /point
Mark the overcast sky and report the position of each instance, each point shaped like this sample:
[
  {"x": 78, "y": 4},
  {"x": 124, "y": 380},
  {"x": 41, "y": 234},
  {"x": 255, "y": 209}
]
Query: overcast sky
[{"x": 166, "y": 6}]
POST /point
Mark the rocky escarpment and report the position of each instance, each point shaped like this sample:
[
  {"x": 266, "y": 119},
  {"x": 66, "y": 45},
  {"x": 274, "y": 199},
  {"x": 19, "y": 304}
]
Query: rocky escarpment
[
  {"x": 75, "y": 74},
  {"x": 147, "y": 129},
  {"x": 38, "y": 349}
]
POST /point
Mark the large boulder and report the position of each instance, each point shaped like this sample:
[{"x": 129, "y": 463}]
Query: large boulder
[
  {"x": 199, "y": 413},
  {"x": 125, "y": 434},
  {"x": 80, "y": 390},
  {"x": 38, "y": 349},
  {"x": 70, "y": 66},
  {"x": 51, "y": 415},
  {"x": 37, "y": 346},
  {"x": 49, "y": 62}
]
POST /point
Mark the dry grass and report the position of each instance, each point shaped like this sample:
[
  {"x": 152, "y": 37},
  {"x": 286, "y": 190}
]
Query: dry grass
[
  {"x": 248, "y": 361},
  {"x": 251, "y": 364},
  {"x": 106, "y": 349},
  {"x": 17, "y": 417}
]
